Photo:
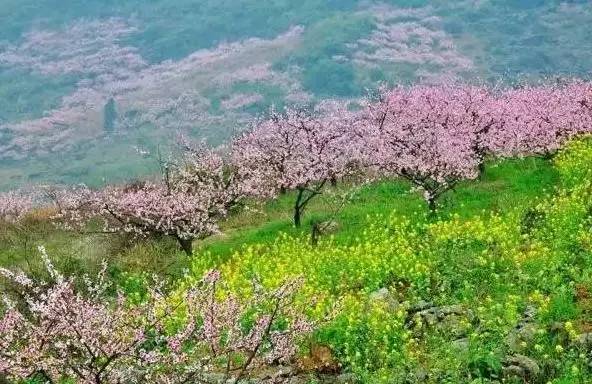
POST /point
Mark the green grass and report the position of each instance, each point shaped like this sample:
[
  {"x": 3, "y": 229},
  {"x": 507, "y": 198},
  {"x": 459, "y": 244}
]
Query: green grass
[
  {"x": 510, "y": 249},
  {"x": 515, "y": 241},
  {"x": 506, "y": 185}
]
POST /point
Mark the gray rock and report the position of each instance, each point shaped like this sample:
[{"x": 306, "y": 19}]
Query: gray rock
[
  {"x": 346, "y": 378},
  {"x": 384, "y": 295},
  {"x": 525, "y": 331},
  {"x": 514, "y": 371},
  {"x": 380, "y": 295},
  {"x": 451, "y": 310},
  {"x": 421, "y": 306},
  {"x": 447, "y": 319},
  {"x": 584, "y": 340},
  {"x": 522, "y": 367},
  {"x": 515, "y": 338}
]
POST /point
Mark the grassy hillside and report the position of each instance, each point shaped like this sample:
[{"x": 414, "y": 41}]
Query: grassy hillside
[
  {"x": 499, "y": 278},
  {"x": 495, "y": 287},
  {"x": 506, "y": 186}
]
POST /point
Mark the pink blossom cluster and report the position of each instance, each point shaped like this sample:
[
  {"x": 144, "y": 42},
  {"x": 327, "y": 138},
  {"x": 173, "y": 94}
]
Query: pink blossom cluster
[
  {"x": 156, "y": 94},
  {"x": 434, "y": 136},
  {"x": 63, "y": 332},
  {"x": 241, "y": 100},
  {"x": 297, "y": 147},
  {"x": 85, "y": 47},
  {"x": 428, "y": 135},
  {"x": 538, "y": 119}
]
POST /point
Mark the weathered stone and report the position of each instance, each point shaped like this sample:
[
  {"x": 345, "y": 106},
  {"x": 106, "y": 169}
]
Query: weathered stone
[
  {"x": 525, "y": 331},
  {"x": 384, "y": 295},
  {"x": 514, "y": 371},
  {"x": 328, "y": 227},
  {"x": 516, "y": 337},
  {"x": 346, "y": 378},
  {"x": 421, "y": 306},
  {"x": 521, "y": 366},
  {"x": 585, "y": 340},
  {"x": 451, "y": 310},
  {"x": 280, "y": 371},
  {"x": 380, "y": 295},
  {"x": 429, "y": 317},
  {"x": 448, "y": 319},
  {"x": 215, "y": 378}
]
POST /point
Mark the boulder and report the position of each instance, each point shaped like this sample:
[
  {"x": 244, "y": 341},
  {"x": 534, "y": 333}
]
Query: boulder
[{"x": 522, "y": 367}]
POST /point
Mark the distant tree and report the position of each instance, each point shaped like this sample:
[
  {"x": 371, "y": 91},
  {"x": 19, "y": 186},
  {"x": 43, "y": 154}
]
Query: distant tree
[
  {"x": 109, "y": 116},
  {"x": 14, "y": 206}
]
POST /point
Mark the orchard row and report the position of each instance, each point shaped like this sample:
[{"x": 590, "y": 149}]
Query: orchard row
[{"x": 434, "y": 136}]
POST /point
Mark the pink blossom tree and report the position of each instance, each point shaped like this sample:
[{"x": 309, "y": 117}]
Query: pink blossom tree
[
  {"x": 187, "y": 204},
  {"x": 61, "y": 332},
  {"x": 427, "y": 135},
  {"x": 213, "y": 334},
  {"x": 537, "y": 120},
  {"x": 298, "y": 149}
]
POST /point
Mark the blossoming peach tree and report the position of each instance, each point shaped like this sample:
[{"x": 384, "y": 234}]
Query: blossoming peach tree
[
  {"x": 14, "y": 205},
  {"x": 425, "y": 135},
  {"x": 187, "y": 204},
  {"x": 58, "y": 331},
  {"x": 298, "y": 149}
]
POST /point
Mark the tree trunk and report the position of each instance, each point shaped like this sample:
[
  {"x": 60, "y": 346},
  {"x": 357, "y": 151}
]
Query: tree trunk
[
  {"x": 481, "y": 169},
  {"x": 315, "y": 233},
  {"x": 298, "y": 208},
  {"x": 297, "y": 217},
  {"x": 333, "y": 181},
  {"x": 186, "y": 245}
]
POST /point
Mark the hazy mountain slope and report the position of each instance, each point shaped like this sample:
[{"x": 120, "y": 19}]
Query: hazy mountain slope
[{"x": 205, "y": 67}]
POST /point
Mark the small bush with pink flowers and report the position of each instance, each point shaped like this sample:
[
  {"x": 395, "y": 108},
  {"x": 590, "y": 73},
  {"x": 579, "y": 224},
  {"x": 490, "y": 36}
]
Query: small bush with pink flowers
[{"x": 68, "y": 329}]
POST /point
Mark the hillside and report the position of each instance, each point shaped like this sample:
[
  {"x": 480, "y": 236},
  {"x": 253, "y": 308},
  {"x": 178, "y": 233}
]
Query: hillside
[
  {"x": 205, "y": 69},
  {"x": 295, "y": 192},
  {"x": 496, "y": 285}
]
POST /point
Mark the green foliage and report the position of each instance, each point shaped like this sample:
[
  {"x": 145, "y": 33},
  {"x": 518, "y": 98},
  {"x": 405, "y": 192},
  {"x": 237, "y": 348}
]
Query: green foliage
[
  {"x": 574, "y": 162},
  {"x": 324, "y": 57},
  {"x": 330, "y": 77},
  {"x": 25, "y": 96}
]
